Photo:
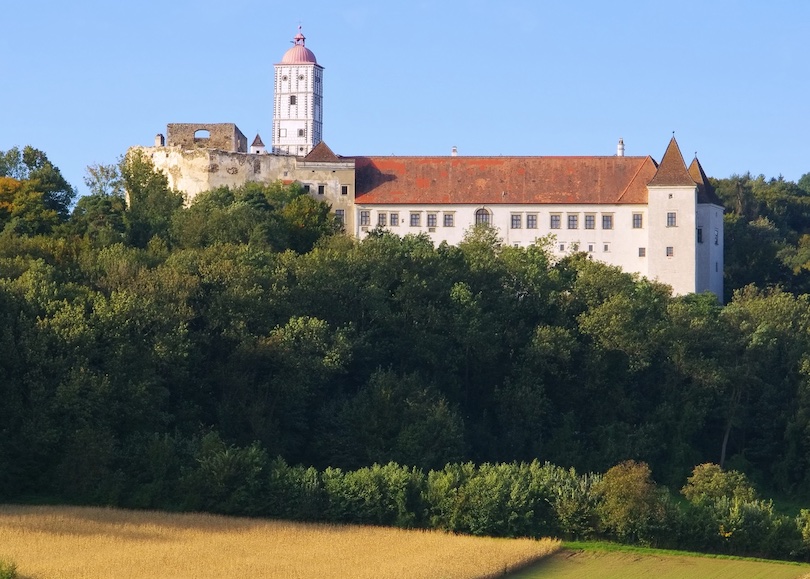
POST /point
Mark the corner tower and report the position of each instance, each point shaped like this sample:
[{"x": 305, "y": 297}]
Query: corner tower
[{"x": 297, "y": 100}]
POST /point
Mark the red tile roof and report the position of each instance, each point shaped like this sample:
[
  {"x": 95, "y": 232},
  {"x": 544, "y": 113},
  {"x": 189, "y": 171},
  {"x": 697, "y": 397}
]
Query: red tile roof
[
  {"x": 672, "y": 170},
  {"x": 494, "y": 180},
  {"x": 706, "y": 193},
  {"x": 321, "y": 153}
]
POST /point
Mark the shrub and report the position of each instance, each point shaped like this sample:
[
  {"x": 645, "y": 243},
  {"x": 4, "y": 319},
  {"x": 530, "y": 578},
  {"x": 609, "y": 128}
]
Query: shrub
[
  {"x": 631, "y": 507},
  {"x": 710, "y": 482},
  {"x": 8, "y": 570}
]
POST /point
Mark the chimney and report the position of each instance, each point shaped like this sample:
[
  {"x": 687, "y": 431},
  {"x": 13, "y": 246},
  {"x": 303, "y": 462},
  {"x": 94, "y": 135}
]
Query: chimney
[
  {"x": 454, "y": 151},
  {"x": 620, "y": 148}
]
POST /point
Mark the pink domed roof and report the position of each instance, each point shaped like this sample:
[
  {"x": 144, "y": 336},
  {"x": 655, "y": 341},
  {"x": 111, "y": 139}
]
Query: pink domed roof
[{"x": 299, "y": 54}]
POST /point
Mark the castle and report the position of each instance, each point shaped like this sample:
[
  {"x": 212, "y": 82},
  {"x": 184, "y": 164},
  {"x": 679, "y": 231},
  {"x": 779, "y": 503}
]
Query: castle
[{"x": 662, "y": 221}]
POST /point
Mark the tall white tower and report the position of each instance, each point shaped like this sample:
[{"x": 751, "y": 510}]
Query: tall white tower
[{"x": 298, "y": 100}]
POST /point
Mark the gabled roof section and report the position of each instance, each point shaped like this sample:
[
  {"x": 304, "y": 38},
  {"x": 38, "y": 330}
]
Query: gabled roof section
[
  {"x": 321, "y": 153},
  {"x": 706, "y": 193},
  {"x": 503, "y": 180},
  {"x": 257, "y": 142},
  {"x": 672, "y": 170}
]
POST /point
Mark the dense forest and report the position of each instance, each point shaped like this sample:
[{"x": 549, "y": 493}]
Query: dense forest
[{"x": 140, "y": 337}]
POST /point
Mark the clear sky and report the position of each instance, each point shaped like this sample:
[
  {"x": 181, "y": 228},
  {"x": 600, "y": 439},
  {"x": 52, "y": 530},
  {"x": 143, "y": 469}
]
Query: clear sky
[{"x": 84, "y": 80}]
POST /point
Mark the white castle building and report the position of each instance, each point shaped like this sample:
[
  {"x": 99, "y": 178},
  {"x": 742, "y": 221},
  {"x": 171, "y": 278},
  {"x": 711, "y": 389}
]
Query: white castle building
[{"x": 662, "y": 221}]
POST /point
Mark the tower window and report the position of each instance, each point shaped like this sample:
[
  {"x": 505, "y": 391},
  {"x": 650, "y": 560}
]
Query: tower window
[
  {"x": 293, "y": 99},
  {"x": 321, "y": 189},
  {"x": 344, "y": 189},
  {"x": 700, "y": 235},
  {"x": 301, "y": 132},
  {"x": 637, "y": 221},
  {"x": 672, "y": 219},
  {"x": 670, "y": 251}
]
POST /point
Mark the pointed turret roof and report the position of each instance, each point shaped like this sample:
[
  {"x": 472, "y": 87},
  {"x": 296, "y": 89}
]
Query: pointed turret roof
[
  {"x": 321, "y": 153},
  {"x": 257, "y": 142},
  {"x": 672, "y": 170},
  {"x": 706, "y": 193}
]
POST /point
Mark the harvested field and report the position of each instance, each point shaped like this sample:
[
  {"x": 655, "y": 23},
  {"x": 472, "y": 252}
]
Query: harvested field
[{"x": 568, "y": 564}]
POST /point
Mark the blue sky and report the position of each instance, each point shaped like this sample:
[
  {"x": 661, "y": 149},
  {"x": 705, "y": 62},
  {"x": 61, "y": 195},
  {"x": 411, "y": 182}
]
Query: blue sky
[{"x": 86, "y": 79}]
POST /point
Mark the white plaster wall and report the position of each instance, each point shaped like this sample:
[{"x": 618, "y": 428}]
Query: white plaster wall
[
  {"x": 305, "y": 114},
  {"x": 709, "y": 255},
  {"x": 679, "y": 270},
  {"x": 623, "y": 241}
]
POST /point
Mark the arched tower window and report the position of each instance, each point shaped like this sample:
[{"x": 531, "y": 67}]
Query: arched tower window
[{"x": 482, "y": 216}]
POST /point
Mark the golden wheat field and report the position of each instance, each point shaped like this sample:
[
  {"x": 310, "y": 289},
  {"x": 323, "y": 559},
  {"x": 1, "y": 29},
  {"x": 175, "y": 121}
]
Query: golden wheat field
[{"x": 72, "y": 542}]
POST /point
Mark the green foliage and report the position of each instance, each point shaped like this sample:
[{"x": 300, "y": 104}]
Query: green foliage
[
  {"x": 709, "y": 483},
  {"x": 630, "y": 506},
  {"x": 8, "y": 570}
]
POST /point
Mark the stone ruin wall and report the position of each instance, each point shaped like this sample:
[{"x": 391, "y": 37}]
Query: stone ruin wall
[{"x": 222, "y": 136}]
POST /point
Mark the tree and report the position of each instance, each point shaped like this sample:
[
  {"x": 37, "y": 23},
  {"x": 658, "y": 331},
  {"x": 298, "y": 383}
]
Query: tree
[{"x": 151, "y": 201}]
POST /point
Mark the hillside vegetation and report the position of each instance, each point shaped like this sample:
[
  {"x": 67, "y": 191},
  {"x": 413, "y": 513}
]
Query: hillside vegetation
[{"x": 156, "y": 356}]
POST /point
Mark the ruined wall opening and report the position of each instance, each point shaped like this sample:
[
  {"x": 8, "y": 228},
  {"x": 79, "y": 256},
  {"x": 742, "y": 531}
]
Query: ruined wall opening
[{"x": 202, "y": 136}]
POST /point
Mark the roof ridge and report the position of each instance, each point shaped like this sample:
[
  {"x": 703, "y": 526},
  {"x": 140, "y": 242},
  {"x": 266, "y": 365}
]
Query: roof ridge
[{"x": 633, "y": 178}]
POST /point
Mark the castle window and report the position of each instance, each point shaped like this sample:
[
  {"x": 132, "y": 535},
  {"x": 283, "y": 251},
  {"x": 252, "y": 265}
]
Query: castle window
[
  {"x": 301, "y": 132},
  {"x": 606, "y": 248},
  {"x": 381, "y": 219},
  {"x": 700, "y": 235},
  {"x": 573, "y": 221},
  {"x": 517, "y": 220},
  {"x": 672, "y": 219},
  {"x": 481, "y": 216},
  {"x": 562, "y": 247},
  {"x": 321, "y": 189},
  {"x": 531, "y": 221},
  {"x": 717, "y": 237},
  {"x": 340, "y": 215},
  {"x": 282, "y": 132},
  {"x": 293, "y": 99},
  {"x": 365, "y": 217},
  {"x": 554, "y": 222},
  {"x": 642, "y": 252},
  {"x": 607, "y": 222},
  {"x": 590, "y": 222},
  {"x": 590, "y": 248},
  {"x": 670, "y": 251},
  {"x": 449, "y": 220},
  {"x": 431, "y": 219},
  {"x": 637, "y": 221},
  {"x": 306, "y": 188},
  {"x": 202, "y": 135},
  {"x": 416, "y": 219},
  {"x": 344, "y": 189},
  {"x": 395, "y": 220}
]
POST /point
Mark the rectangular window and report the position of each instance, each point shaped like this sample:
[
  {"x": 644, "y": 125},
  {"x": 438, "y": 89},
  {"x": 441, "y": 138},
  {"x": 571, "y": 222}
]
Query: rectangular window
[
  {"x": 432, "y": 218},
  {"x": 555, "y": 222},
  {"x": 672, "y": 219},
  {"x": 395, "y": 220},
  {"x": 282, "y": 132},
  {"x": 341, "y": 215},
  {"x": 573, "y": 221},
  {"x": 321, "y": 189},
  {"x": 670, "y": 251},
  {"x": 590, "y": 248},
  {"x": 344, "y": 189},
  {"x": 607, "y": 221},
  {"x": 448, "y": 220},
  {"x": 562, "y": 247},
  {"x": 301, "y": 133},
  {"x": 517, "y": 220},
  {"x": 700, "y": 235},
  {"x": 416, "y": 219},
  {"x": 637, "y": 221},
  {"x": 606, "y": 248},
  {"x": 590, "y": 222},
  {"x": 293, "y": 99},
  {"x": 365, "y": 217},
  {"x": 531, "y": 221},
  {"x": 717, "y": 237},
  {"x": 381, "y": 219},
  {"x": 306, "y": 188},
  {"x": 642, "y": 252}
]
